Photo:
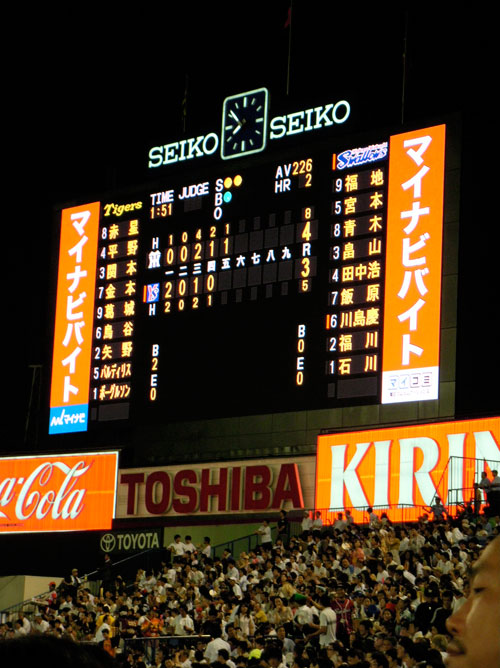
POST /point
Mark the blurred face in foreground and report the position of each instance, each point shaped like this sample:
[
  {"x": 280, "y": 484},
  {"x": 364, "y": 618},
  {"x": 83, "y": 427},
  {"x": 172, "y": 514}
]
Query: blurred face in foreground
[{"x": 475, "y": 627}]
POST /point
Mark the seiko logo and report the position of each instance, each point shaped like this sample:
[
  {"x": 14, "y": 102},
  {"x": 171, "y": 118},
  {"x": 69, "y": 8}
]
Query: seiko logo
[{"x": 297, "y": 122}]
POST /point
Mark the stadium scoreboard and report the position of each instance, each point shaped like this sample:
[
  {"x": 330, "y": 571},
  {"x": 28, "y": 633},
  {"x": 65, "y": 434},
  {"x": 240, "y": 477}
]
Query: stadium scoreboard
[{"x": 298, "y": 278}]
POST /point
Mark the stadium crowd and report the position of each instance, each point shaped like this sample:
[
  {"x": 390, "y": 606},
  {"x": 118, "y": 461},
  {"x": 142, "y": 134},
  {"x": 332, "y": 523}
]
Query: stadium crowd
[{"x": 377, "y": 595}]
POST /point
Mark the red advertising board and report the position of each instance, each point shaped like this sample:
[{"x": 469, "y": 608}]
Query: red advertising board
[
  {"x": 405, "y": 467},
  {"x": 73, "y": 492}
]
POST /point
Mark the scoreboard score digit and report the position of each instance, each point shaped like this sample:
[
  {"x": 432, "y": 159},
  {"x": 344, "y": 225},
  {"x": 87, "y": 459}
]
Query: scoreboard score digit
[{"x": 259, "y": 285}]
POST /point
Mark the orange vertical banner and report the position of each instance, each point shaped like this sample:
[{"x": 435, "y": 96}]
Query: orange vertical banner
[
  {"x": 72, "y": 351},
  {"x": 413, "y": 266}
]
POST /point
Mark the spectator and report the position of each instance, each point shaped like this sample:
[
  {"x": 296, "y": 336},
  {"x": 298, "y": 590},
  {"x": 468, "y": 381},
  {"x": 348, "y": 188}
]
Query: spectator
[
  {"x": 264, "y": 531},
  {"x": 283, "y": 527},
  {"x": 317, "y": 524},
  {"x": 270, "y": 592},
  {"x": 494, "y": 495},
  {"x": 177, "y": 549},
  {"x": 475, "y": 626}
]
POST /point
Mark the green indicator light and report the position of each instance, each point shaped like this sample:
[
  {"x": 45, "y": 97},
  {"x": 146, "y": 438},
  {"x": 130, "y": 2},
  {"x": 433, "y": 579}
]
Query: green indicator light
[{"x": 227, "y": 197}]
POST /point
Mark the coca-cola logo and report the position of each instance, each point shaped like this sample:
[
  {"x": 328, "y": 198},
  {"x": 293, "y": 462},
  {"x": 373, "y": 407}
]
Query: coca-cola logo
[{"x": 43, "y": 493}]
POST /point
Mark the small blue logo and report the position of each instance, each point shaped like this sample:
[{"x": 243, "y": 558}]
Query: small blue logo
[
  {"x": 65, "y": 419},
  {"x": 152, "y": 293}
]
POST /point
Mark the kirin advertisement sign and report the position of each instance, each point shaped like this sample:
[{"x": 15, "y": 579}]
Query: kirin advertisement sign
[{"x": 405, "y": 467}]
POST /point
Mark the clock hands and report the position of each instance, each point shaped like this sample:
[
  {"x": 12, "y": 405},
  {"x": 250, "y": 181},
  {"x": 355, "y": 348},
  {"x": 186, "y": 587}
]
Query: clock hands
[
  {"x": 244, "y": 120},
  {"x": 240, "y": 123}
]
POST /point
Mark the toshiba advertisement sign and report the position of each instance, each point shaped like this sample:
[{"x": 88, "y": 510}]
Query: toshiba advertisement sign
[
  {"x": 58, "y": 492},
  {"x": 250, "y": 486},
  {"x": 405, "y": 467}
]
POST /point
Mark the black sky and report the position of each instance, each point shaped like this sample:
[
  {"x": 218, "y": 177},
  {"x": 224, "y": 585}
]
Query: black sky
[{"x": 90, "y": 92}]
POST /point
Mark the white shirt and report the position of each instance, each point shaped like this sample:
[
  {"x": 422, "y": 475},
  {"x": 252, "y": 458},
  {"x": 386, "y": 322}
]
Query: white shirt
[
  {"x": 213, "y": 648},
  {"x": 328, "y": 619},
  {"x": 178, "y": 548},
  {"x": 171, "y": 575},
  {"x": 182, "y": 625},
  {"x": 265, "y": 534},
  {"x": 41, "y": 627},
  {"x": 304, "y": 615},
  {"x": 99, "y": 637},
  {"x": 495, "y": 484},
  {"x": 306, "y": 523}
]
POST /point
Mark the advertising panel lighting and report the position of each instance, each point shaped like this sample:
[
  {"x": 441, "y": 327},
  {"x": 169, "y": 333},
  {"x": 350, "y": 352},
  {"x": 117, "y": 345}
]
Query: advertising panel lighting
[
  {"x": 405, "y": 467},
  {"x": 74, "y": 318},
  {"x": 73, "y": 492},
  {"x": 282, "y": 280},
  {"x": 412, "y": 301}
]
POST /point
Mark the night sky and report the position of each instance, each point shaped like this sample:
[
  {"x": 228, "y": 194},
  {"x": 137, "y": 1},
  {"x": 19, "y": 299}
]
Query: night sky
[{"x": 88, "y": 95}]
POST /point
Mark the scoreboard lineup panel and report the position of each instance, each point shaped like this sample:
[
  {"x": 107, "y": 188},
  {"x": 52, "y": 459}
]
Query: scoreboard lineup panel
[{"x": 232, "y": 289}]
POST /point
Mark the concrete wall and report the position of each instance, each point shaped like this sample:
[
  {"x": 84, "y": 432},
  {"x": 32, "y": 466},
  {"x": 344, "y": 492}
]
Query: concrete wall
[{"x": 17, "y": 588}]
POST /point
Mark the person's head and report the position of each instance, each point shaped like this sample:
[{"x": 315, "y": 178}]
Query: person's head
[
  {"x": 365, "y": 627},
  {"x": 447, "y": 599},
  {"x": 274, "y": 657},
  {"x": 340, "y": 593},
  {"x": 378, "y": 660},
  {"x": 354, "y": 656},
  {"x": 474, "y": 627},
  {"x": 223, "y": 655},
  {"x": 325, "y": 601},
  {"x": 386, "y": 615}
]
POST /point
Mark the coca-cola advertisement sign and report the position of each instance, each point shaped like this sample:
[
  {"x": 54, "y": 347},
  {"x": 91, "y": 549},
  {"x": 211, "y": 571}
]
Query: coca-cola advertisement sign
[{"x": 75, "y": 492}]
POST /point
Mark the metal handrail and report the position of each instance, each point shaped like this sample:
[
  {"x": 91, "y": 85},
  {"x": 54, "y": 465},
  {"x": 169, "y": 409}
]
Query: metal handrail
[
  {"x": 250, "y": 541},
  {"x": 328, "y": 517},
  {"x": 152, "y": 644},
  {"x": 86, "y": 577}
]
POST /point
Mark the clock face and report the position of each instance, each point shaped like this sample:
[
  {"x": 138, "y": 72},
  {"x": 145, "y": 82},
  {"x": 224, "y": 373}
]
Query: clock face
[{"x": 244, "y": 123}]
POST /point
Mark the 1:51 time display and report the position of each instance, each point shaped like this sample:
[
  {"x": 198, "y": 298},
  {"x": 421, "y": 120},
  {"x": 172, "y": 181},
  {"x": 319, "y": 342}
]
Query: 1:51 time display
[{"x": 161, "y": 210}]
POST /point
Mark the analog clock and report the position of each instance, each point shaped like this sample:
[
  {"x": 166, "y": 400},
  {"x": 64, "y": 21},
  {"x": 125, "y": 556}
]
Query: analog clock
[{"x": 244, "y": 123}]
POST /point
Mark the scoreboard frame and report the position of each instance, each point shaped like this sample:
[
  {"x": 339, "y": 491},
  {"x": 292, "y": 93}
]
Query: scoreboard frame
[{"x": 360, "y": 150}]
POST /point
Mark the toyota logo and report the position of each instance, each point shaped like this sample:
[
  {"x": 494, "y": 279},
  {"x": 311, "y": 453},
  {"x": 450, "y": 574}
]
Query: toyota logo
[{"x": 108, "y": 542}]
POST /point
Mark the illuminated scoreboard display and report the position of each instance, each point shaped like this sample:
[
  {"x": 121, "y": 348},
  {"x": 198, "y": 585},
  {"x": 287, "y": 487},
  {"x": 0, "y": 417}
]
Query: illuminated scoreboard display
[{"x": 288, "y": 280}]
